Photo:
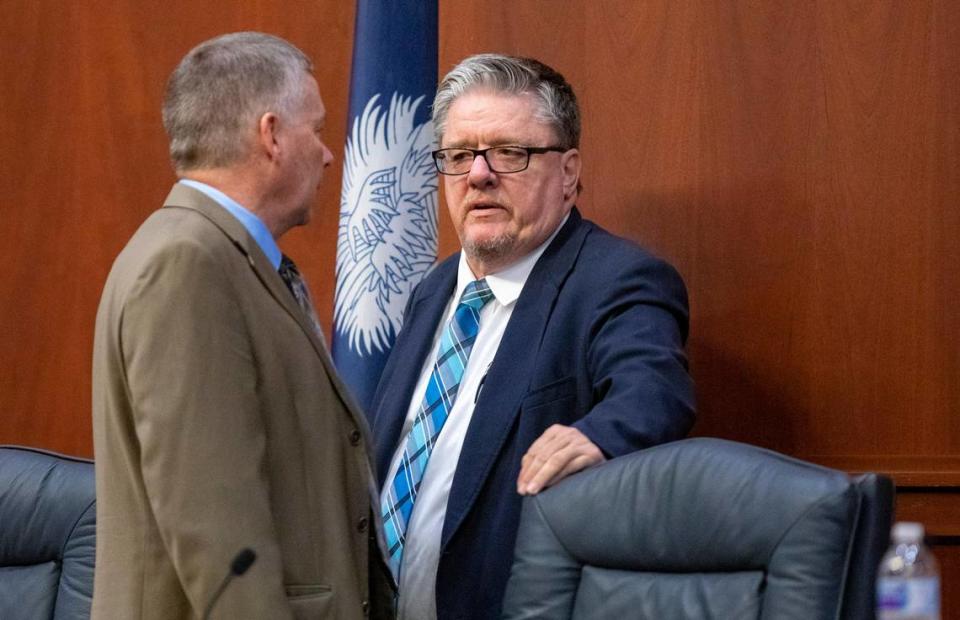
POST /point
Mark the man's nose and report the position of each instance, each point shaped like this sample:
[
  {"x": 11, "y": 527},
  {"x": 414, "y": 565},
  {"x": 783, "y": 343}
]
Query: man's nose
[{"x": 480, "y": 174}]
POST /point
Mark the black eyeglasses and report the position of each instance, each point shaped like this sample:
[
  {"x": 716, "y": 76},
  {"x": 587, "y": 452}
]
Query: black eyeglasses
[{"x": 500, "y": 159}]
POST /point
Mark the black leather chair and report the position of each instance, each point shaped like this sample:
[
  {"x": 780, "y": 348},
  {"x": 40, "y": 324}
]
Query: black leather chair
[
  {"x": 47, "y": 535},
  {"x": 869, "y": 544},
  {"x": 702, "y": 528}
]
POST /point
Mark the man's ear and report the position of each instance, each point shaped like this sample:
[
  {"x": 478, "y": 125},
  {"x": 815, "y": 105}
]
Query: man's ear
[
  {"x": 267, "y": 128},
  {"x": 570, "y": 162}
]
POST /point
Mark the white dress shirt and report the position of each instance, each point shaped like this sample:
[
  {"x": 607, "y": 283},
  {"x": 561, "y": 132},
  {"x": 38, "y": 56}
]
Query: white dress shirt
[{"x": 421, "y": 549}]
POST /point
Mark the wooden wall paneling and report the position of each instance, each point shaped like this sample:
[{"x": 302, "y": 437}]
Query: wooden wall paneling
[
  {"x": 947, "y": 553},
  {"x": 45, "y": 348},
  {"x": 938, "y": 508}
]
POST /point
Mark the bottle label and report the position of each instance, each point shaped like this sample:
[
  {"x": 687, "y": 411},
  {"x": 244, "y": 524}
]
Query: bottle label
[{"x": 908, "y": 598}]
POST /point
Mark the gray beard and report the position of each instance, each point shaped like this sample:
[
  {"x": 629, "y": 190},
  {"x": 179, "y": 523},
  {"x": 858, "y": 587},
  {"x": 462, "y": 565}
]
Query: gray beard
[{"x": 491, "y": 250}]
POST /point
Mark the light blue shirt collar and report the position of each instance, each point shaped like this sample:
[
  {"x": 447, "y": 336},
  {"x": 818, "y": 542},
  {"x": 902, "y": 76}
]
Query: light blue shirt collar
[{"x": 254, "y": 225}]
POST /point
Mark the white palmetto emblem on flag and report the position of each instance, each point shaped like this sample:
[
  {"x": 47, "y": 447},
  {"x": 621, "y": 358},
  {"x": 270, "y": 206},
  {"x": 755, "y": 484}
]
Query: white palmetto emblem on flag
[{"x": 388, "y": 221}]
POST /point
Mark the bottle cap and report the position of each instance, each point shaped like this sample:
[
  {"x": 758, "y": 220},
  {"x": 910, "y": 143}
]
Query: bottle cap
[{"x": 908, "y": 532}]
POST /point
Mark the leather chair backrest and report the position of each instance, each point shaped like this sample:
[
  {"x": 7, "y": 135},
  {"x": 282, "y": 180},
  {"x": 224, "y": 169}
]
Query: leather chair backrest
[
  {"x": 47, "y": 535},
  {"x": 700, "y": 528},
  {"x": 869, "y": 544}
]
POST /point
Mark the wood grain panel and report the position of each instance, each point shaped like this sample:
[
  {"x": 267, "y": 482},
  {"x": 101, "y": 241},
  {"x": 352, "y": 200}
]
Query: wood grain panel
[
  {"x": 938, "y": 508},
  {"x": 948, "y": 556},
  {"x": 907, "y": 471}
]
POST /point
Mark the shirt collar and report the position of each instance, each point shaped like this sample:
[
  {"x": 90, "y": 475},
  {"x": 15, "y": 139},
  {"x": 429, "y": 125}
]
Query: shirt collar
[
  {"x": 254, "y": 225},
  {"x": 506, "y": 284}
]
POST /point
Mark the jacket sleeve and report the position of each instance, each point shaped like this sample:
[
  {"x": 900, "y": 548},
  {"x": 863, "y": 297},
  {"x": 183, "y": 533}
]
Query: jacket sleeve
[
  {"x": 192, "y": 377},
  {"x": 641, "y": 389}
]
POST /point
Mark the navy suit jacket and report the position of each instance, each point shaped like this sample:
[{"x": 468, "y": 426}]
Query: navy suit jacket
[{"x": 595, "y": 341}]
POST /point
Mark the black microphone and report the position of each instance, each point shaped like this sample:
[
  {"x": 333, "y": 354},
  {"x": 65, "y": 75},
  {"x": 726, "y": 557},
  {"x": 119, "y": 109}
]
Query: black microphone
[{"x": 241, "y": 563}]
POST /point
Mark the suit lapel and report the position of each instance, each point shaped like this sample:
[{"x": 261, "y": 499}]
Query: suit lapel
[
  {"x": 411, "y": 349},
  {"x": 494, "y": 416},
  {"x": 189, "y": 198}
]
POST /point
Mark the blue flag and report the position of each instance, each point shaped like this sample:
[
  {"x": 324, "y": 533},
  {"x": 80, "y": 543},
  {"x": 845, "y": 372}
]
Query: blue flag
[{"x": 388, "y": 204}]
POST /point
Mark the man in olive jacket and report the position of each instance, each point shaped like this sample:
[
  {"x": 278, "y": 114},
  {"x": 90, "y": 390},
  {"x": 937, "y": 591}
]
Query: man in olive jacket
[{"x": 219, "y": 422}]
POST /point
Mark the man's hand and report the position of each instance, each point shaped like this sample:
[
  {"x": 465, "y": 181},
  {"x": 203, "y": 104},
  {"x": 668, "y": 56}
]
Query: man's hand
[{"x": 557, "y": 453}]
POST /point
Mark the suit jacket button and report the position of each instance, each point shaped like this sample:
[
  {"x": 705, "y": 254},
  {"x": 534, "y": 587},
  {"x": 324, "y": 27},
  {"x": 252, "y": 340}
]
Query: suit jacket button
[
  {"x": 365, "y": 606},
  {"x": 355, "y": 437},
  {"x": 362, "y": 524}
]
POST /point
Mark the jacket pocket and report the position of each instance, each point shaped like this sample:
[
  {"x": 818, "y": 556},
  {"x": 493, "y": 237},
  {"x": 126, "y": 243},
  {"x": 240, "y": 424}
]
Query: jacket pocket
[
  {"x": 310, "y": 601},
  {"x": 551, "y": 392}
]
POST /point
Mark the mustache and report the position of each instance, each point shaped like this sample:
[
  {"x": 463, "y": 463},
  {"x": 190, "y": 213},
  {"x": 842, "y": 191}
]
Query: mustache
[{"x": 481, "y": 202}]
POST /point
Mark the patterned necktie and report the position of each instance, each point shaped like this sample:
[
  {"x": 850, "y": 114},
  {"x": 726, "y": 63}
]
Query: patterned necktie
[
  {"x": 291, "y": 277},
  {"x": 456, "y": 342}
]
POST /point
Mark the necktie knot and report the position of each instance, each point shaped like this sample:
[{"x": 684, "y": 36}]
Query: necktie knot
[
  {"x": 476, "y": 294},
  {"x": 288, "y": 268}
]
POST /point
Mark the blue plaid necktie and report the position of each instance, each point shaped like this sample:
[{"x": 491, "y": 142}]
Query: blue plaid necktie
[{"x": 452, "y": 355}]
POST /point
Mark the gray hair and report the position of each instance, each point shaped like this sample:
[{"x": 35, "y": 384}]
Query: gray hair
[
  {"x": 220, "y": 89},
  {"x": 512, "y": 75}
]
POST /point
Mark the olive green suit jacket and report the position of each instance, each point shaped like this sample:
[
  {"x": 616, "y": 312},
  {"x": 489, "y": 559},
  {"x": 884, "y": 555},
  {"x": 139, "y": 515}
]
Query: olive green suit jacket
[{"x": 220, "y": 423}]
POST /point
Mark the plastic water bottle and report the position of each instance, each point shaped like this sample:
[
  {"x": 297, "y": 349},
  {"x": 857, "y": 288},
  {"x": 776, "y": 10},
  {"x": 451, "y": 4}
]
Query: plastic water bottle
[{"x": 908, "y": 581}]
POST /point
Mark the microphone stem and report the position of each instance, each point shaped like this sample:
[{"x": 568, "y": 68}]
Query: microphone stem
[{"x": 216, "y": 595}]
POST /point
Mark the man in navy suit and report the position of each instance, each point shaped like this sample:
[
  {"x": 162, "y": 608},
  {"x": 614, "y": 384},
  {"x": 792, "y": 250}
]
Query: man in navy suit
[{"x": 565, "y": 350}]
